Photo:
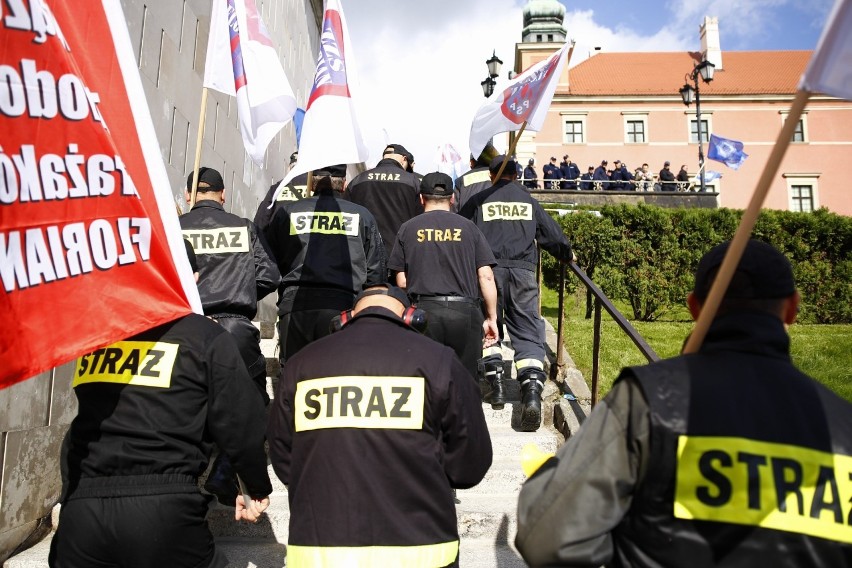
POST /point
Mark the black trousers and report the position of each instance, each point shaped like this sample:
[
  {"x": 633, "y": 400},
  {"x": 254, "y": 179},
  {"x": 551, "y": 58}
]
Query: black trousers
[
  {"x": 456, "y": 324},
  {"x": 305, "y": 314},
  {"x": 248, "y": 342},
  {"x": 135, "y": 532}
]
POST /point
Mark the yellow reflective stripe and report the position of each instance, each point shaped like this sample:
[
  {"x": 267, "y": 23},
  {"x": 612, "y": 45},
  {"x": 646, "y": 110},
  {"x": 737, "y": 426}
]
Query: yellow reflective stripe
[
  {"x": 507, "y": 211},
  {"x": 423, "y": 556},
  {"x": 218, "y": 241},
  {"x": 774, "y": 486},
  {"x": 139, "y": 363},
  {"x": 360, "y": 402},
  {"x": 488, "y": 351},
  {"x": 324, "y": 222},
  {"x": 476, "y": 177},
  {"x": 525, "y": 363}
]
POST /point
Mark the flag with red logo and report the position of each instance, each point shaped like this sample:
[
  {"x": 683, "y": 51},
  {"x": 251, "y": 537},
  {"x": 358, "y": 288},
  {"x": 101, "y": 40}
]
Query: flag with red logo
[
  {"x": 331, "y": 133},
  {"x": 526, "y": 99},
  {"x": 90, "y": 247},
  {"x": 242, "y": 62}
]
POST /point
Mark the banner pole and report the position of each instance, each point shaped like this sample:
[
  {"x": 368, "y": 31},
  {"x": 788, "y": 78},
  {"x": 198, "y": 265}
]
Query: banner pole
[
  {"x": 741, "y": 237},
  {"x": 197, "y": 166},
  {"x": 511, "y": 151}
]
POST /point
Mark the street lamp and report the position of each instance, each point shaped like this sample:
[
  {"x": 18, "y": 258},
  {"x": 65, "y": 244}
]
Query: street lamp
[
  {"x": 704, "y": 70},
  {"x": 494, "y": 65}
]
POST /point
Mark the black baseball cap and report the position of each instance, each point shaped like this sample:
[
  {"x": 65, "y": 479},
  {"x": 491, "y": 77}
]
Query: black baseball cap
[
  {"x": 494, "y": 166},
  {"x": 396, "y": 149},
  {"x": 338, "y": 171},
  {"x": 208, "y": 176},
  {"x": 436, "y": 183},
  {"x": 763, "y": 272}
]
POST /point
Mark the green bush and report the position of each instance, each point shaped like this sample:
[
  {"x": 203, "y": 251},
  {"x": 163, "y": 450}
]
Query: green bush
[{"x": 646, "y": 256}]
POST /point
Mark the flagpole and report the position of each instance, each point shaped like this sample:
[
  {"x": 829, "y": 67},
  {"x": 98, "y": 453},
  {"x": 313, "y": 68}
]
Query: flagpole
[
  {"x": 511, "y": 151},
  {"x": 201, "y": 119},
  {"x": 741, "y": 237}
]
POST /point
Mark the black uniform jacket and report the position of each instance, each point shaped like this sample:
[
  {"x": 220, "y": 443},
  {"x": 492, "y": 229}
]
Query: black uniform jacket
[
  {"x": 471, "y": 183},
  {"x": 277, "y": 197},
  {"x": 235, "y": 266},
  {"x": 151, "y": 406},
  {"x": 512, "y": 221},
  {"x": 390, "y": 193},
  {"x": 326, "y": 242},
  {"x": 371, "y": 427}
]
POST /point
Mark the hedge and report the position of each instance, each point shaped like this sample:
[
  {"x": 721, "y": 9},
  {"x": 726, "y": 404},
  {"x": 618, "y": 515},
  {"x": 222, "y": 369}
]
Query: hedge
[{"x": 646, "y": 256}]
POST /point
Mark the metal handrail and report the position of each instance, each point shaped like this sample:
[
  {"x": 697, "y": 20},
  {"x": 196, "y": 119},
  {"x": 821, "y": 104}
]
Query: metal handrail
[{"x": 601, "y": 300}]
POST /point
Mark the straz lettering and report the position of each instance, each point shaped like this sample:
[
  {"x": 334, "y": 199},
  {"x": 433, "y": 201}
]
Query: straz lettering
[
  {"x": 375, "y": 176},
  {"x": 326, "y": 223},
  {"x": 502, "y": 211},
  {"x": 439, "y": 235},
  {"x": 394, "y": 403},
  {"x": 139, "y": 363},
  {"x": 774, "y": 486},
  {"x": 288, "y": 193},
  {"x": 218, "y": 241}
]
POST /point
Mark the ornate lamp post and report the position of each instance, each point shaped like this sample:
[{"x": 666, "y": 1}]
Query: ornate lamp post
[
  {"x": 704, "y": 70},
  {"x": 494, "y": 65}
]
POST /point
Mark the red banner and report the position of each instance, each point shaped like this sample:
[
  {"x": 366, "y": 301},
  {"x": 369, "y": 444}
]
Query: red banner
[{"x": 90, "y": 252}]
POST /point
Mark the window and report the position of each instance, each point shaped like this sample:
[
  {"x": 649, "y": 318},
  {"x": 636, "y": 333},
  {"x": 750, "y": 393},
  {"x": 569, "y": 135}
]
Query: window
[
  {"x": 573, "y": 132},
  {"x": 693, "y": 131},
  {"x": 800, "y": 134},
  {"x": 550, "y": 37},
  {"x": 802, "y": 192},
  {"x": 635, "y": 131}
]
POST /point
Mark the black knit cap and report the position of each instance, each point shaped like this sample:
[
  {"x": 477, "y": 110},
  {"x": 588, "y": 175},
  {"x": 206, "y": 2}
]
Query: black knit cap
[
  {"x": 762, "y": 273},
  {"x": 211, "y": 177},
  {"x": 436, "y": 183}
]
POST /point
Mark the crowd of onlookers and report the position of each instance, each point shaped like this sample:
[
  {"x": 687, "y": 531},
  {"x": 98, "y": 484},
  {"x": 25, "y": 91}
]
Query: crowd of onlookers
[{"x": 567, "y": 175}]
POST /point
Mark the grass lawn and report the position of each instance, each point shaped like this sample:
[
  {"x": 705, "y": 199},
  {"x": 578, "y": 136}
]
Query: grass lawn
[{"x": 822, "y": 351}]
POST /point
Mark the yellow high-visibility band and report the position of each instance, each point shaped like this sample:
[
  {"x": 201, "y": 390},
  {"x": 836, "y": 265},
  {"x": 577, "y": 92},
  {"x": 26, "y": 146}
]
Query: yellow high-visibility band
[{"x": 422, "y": 556}]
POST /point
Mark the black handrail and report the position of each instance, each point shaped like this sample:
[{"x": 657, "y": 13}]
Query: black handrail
[{"x": 600, "y": 301}]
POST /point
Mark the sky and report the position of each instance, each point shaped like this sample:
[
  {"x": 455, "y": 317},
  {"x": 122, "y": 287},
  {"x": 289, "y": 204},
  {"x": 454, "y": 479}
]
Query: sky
[{"x": 419, "y": 64}]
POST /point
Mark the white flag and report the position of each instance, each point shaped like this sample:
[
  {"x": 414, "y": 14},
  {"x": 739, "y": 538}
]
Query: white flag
[
  {"x": 830, "y": 69},
  {"x": 330, "y": 132},
  {"x": 449, "y": 161},
  {"x": 242, "y": 62},
  {"x": 527, "y": 98}
]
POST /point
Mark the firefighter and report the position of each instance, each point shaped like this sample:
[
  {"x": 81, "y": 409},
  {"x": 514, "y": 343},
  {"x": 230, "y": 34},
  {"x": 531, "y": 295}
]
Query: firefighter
[
  {"x": 725, "y": 457},
  {"x": 370, "y": 429},
  {"x": 328, "y": 250},
  {"x": 444, "y": 263},
  {"x": 150, "y": 408},
  {"x": 512, "y": 222},
  {"x": 388, "y": 191},
  {"x": 477, "y": 178},
  {"x": 279, "y": 195}
]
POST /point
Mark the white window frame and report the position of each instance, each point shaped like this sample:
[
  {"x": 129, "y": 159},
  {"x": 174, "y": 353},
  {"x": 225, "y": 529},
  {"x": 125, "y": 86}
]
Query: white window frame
[
  {"x": 706, "y": 115},
  {"x": 636, "y": 117},
  {"x": 799, "y": 179},
  {"x": 574, "y": 117},
  {"x": 803, "y": 118}
]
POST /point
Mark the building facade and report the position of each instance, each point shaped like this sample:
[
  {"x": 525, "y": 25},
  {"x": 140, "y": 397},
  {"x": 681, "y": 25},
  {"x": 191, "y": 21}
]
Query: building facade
[
  {"x": 627, "y": 106},
  {"x": 170, "y": 41}
]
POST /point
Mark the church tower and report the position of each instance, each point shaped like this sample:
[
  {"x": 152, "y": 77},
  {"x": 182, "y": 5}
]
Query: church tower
[{"x": 543, "y": 22}]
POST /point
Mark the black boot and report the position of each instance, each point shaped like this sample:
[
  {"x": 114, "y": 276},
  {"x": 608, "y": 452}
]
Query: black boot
[
  {"x": 492, "y": 369},
  {"x": 532, "y": 384},
  {"x": 222, "y": 482}
]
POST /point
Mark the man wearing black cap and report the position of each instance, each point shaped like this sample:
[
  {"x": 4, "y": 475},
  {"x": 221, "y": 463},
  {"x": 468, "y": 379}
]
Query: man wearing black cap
[
  {"x": 279, "y": 195},
  {"x": 328, "y": 250},
  {"x": 388, "y": 191},
  {"x": 530, "y": 175},
  {"x": 667, "y": 178},
  {"x": 570, "y": 173},
  {"x": 513, "y": 222},
  {"x": 370, "y": 430},
  {"x": 444, "y": 263},
  {"x": 552, "y": 174},
  {"x": 601, "y": 177},
  {"x": 725, "y": 457},
  {"x": 476, "y": 179}
]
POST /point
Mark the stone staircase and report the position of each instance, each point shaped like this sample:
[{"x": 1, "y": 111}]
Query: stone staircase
[{"x": 486, "y": 513}]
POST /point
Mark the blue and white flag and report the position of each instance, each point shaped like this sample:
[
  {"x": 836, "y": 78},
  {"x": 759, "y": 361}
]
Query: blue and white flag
[
  {"x": 729, "y": 152},
  {"x": 709, "y": 177}
]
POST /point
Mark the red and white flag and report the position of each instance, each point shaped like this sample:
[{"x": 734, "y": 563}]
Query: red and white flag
[
  {"x": 830, "y": 69},
  {"x": 91, "y": 250},
  {"x": 242, "y": 62},
  {"x": 330, "y": 130},
  {"x": 527, "y": 98}
]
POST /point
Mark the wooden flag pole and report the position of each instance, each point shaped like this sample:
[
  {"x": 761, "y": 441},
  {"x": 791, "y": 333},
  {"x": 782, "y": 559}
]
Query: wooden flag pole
[
  {"x": 511, "y": 151},
  {"x": 741, "y": 237},
  {"x": 198, "y": 143}
]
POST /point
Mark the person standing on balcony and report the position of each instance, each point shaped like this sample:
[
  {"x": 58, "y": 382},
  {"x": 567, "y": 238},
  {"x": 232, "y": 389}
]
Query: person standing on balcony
[
  {"x": 601, "y": 177},
  {"x": 570, "y": 173},
  {"x": 530, "y": 176},
  {"x": 552, "y": 175},
  {"x": 682, "y": 179},
  {"x": 667, "y": 178}
]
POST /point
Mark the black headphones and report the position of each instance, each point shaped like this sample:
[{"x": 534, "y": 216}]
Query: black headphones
[{"x": 413, "y": 317}]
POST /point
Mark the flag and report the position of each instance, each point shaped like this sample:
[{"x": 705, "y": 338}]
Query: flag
[
  {"x": 330, "y": 131},
  {"x": 449, "y": 161},
  {"x": 830, "y": 68},
  {"x": 709, "y": 177},
  {"x": 729, "y": 152},
  {"x": 242, "y": 62},
  {"x": 527, "y": 98},
  {"x": 90, "y": 246}
]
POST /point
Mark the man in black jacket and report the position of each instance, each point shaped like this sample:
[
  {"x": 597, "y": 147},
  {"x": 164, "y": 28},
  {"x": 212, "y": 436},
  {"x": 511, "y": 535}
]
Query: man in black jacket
[
  {"x": 570, "y": 173},
  {"x": 667, "y": 178},
  {"x": 278, "y": 196},
  {"x": 150, "y": 408},
  {"x": 725, "y": 457},
  {"x": 370, "y": 429},
  {"x": 513, "y": 222}
]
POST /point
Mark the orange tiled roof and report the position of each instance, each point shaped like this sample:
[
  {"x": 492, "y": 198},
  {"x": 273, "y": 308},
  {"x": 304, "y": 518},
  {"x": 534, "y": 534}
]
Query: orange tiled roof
[{"x": 662, "y": 73}]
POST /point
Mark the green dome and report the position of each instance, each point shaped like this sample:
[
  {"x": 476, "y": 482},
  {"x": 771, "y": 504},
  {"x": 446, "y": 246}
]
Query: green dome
[{"x": 543, "y": 22}]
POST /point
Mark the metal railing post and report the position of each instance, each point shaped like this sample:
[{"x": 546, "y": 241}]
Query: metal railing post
[{"x": 596, "y": 352}]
